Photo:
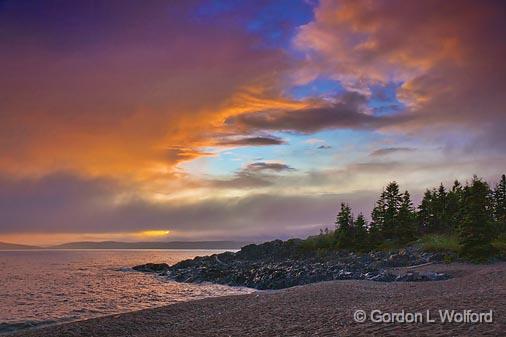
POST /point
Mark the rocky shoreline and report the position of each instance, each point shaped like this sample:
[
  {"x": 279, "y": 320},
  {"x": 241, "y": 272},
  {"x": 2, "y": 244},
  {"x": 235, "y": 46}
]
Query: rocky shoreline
[{"x": 282, "y": 264}]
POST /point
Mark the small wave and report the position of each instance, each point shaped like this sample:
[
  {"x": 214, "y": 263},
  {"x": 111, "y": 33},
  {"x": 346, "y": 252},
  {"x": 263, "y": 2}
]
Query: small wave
[{"x": 11, "y": 327}]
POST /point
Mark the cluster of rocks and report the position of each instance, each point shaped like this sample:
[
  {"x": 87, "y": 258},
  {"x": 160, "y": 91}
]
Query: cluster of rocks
[{"x": 281, "y": 264}]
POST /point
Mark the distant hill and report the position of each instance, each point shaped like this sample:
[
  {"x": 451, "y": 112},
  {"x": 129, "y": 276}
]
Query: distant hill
[
  {"x": 152, "y": 245},
  {"x": 13, "y": 246}
]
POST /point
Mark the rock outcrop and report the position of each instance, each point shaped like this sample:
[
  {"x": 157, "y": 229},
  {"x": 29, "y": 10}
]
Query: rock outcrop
[{"x": 282, "y": 264}]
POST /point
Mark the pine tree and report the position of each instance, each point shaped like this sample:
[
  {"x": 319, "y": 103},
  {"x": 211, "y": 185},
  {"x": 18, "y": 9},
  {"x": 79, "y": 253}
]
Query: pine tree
[
  {"x": 344, "y": 227},
  {"x": 500, "y": 205},
  {"x": 476, "y": 231}
]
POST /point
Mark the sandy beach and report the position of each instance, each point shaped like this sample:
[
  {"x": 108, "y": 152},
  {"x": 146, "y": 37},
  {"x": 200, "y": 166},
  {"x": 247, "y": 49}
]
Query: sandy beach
[{"x": 320, "y": 309}]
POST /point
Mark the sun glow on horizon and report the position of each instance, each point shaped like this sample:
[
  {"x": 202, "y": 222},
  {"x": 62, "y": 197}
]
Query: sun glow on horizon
[
  {"x": 154, "y": 233},
  {"x": 49, "y": 239}
]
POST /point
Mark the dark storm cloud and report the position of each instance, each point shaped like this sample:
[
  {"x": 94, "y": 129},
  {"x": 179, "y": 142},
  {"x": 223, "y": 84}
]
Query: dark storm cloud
[{"x": 347, "y": 112}]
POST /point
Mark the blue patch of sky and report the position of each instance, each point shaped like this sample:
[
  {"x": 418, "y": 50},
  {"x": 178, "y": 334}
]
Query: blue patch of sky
[
  {"x": 320, "y": 87},
  {"x": 211, "y": 9},
  {"x": 227, "y": 162},
  {"x": 275, "y": 22},
  {"x": 383, "y": 100},
  {"x": 302, "y": 152}
]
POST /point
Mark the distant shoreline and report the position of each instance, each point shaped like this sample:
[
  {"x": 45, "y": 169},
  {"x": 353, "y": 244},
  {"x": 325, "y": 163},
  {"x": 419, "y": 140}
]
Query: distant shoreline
[
  {"x": 324, "y": 308},
  {"x": 115, "y": 249}
]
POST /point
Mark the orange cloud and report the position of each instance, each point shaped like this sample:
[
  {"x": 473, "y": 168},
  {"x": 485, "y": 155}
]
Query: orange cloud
[
  {"x": 381, "y": 41},
  {"x": 448, "y": 56},
  {"x": 123, "y": 102}
]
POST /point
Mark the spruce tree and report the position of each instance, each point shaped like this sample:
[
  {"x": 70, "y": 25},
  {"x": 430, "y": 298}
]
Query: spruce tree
[
  {"x": 405, "y": 224},
  {"x": 393, "y": 201},
  {"x": 426, "y": 213},
  {"x": 500, "y": 205},
  {"x": 441, "y": 223},
  {"x": 344, "y": 227},
  {"x": 454, "y": 205},
  {"x": 360, "y": 230},
  {"x": 378, "y": 221},
  {"x": 476, "y": 231}
]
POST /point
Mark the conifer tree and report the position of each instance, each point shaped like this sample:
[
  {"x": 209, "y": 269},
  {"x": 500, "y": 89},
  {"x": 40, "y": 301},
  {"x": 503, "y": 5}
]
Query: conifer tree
[
  {"x": 405, "y": 224},
  {"x": 344, "y": 227},
  {"x": 360, "y": 230},
  {"x": 500, "y": 205},
  {"x": 476, "y": 231},
  {"x": 378, "y": 221},
  {"x": 441, "y": 216},
  {"x": 425, "y": 213},
  {"x": 454, "y": 205},
  {"x": 393, "y": 201}
]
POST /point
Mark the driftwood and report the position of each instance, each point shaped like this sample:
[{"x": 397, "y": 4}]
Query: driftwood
[
  {"x": 419, "y": 265},
  {"x": 219, "y": 261}
]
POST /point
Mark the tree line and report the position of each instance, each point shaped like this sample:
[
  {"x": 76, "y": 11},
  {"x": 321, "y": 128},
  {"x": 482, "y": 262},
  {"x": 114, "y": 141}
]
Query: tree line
[{"x": 474, "y": 212}]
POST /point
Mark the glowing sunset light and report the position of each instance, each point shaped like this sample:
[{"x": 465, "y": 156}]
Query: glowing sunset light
[
  {"x": 154, "y": 233},
  {"x": 249, "y": 120}
]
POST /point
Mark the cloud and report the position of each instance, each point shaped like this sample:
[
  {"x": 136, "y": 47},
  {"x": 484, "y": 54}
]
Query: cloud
[
  {"x": 253, "y": 141},
  {"x": 349, "y": 111},
  {"x": 242, "y": 180},
  {"x": 263, "y": 166},
  {"x": 106, "y": 95},
  {"x": 450, "y": 67},
  {"x": 390, "y": 150},
  {"x": 324, "y": 147},
  {"x": 119, "y": 101},
  {"x": 253, "y": 176},
  {"x": 182, "y": 153},
  {"x": 63, "y": 203},
  {"x": 295, "y": 204},
  {"x": 314, "y": 141}
]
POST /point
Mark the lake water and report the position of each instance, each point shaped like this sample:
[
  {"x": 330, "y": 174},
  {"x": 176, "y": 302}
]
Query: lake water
[{"x": 51, "y": 286}]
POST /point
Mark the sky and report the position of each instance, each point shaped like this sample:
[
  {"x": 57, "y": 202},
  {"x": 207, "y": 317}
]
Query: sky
[{"x": 244, "y": 120}]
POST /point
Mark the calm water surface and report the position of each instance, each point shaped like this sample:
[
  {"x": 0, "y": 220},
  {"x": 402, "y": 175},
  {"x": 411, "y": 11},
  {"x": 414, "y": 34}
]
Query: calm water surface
[{"x": 51, "y": 286}]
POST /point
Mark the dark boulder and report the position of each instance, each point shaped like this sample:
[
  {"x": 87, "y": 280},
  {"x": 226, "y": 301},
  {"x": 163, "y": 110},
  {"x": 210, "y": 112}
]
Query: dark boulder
[
  {"x": 382, "y": 276},
  {"x": 281, "y": 264},
  {"x": 152, "y": 267},
  {"x": 422, "y": 276}
]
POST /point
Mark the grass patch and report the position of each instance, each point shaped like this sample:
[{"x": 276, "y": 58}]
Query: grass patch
[
  {"x": 500, "y": 244},
  {"x": 440, "y": 243},
  {"x": 325, "y": 241}
]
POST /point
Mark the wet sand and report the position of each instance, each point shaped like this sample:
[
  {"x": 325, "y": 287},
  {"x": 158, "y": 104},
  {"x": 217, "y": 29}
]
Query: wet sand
[{"x": 320, "y": 309}]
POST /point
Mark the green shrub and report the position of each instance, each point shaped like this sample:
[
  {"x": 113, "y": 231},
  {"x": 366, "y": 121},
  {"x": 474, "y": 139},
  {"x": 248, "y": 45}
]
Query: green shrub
[
  {"x": 324, "y": 241},
  {"x": 389, "y": 245},
  {"x": 440, "y": 243},
  {"x": 500, "y": 244}
]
